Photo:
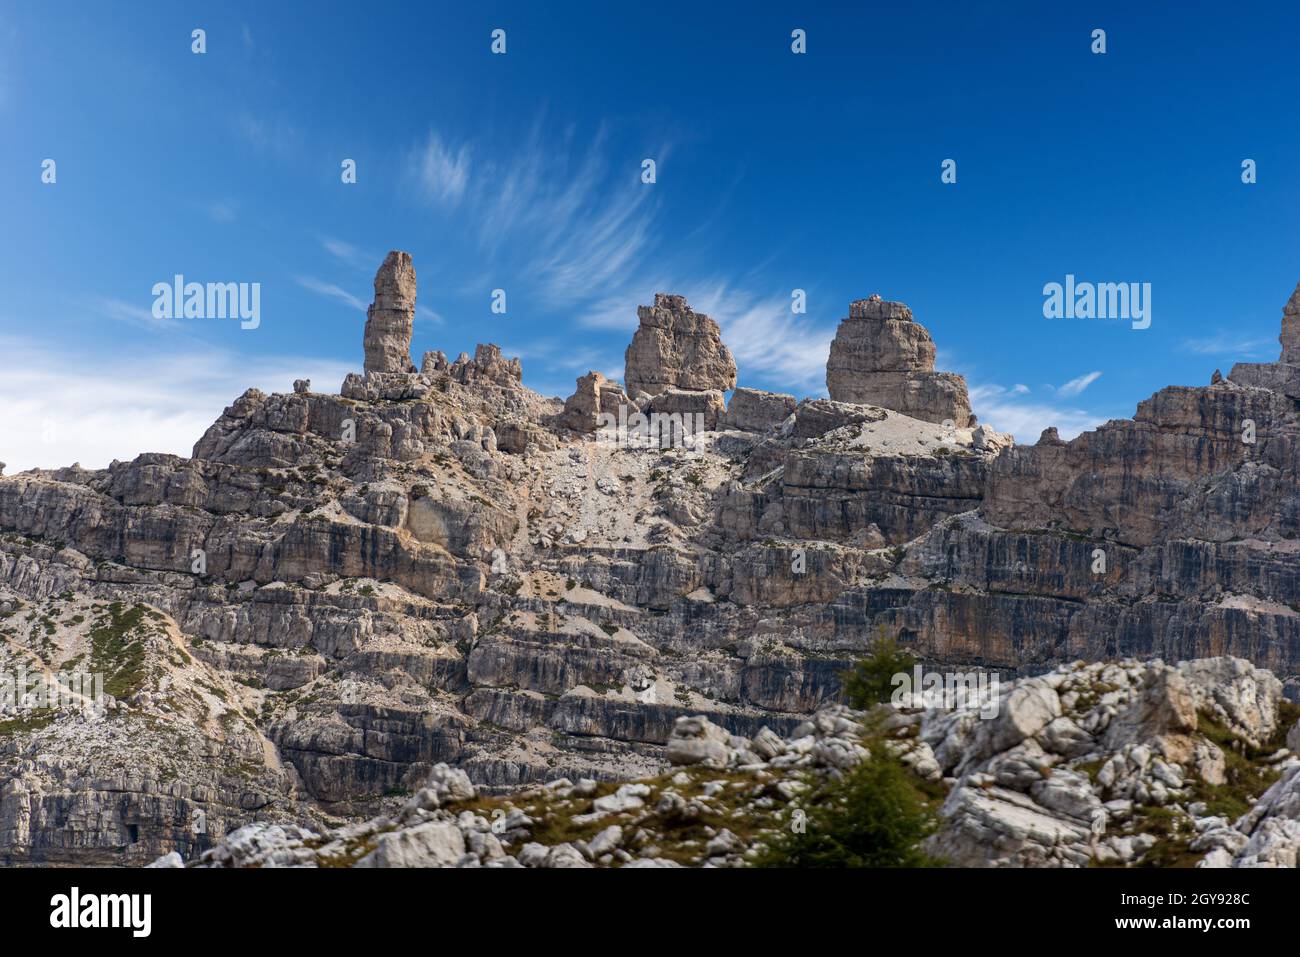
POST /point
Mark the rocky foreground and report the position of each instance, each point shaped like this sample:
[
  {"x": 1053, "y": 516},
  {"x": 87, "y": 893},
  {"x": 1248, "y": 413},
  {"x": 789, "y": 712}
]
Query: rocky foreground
[
  {"x": 338, "y": 592},
  {"x": 1126, "y": 764}
]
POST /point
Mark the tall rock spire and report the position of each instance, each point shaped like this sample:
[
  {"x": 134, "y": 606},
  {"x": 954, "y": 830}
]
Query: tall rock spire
[{"x": 391, "y": 316}]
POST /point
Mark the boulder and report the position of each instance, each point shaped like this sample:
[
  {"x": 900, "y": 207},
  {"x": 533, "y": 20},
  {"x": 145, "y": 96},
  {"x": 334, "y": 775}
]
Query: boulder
[
  {"x": 753, "y": 410},
  {"x": 697, "y": 740},
  {"x": 593, "y": 396},
  {"x": 433, "y": 844}
]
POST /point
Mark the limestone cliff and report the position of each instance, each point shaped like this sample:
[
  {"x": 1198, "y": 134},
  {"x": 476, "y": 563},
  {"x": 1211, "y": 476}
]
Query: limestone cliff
[{"x": 337, "y": 592}]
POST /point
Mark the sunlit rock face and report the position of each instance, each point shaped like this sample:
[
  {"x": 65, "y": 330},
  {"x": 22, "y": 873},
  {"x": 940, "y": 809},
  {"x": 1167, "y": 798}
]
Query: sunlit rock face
[
  {"x": 675, "y": 347},
  {"x": 882, "y": 356},
  {"x": 391, "y": 316},
  {"x": 339, "y": 592}
]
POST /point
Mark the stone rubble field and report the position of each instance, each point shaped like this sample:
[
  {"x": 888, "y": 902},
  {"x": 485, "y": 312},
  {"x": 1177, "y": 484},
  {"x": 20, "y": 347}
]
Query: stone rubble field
[{"x": 1126, "y": 764}]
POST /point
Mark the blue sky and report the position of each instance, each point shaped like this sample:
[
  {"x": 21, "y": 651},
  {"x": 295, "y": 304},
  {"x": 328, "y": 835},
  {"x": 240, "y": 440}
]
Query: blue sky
[{"x": 774, "y": 172}]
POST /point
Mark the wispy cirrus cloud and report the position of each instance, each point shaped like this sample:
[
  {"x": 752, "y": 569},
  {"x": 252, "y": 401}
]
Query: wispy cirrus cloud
[
  {"x": 766, "y": 337},
  {"x": 574, "y": 227},
  {"x": 346, "y": 253},
  {"x": 441, "y": 173},
  {"x": 566, "y": 223},
  {"x": 1077, "y": 385},
  {"x": 330, "y": 290},
  {"x": 131, "y": 313},
  {"x": 1230, "y": 345},
  {"x": 268, "y": 134}
]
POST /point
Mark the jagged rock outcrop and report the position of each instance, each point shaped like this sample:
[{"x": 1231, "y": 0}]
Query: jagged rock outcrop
[
  {"x": 487, "y": 367},
  {"x": 446, "y": 567},
  {"x": 696, "y": 407},
  {"x": 1282, "y": 376},
  {"x": 595, "y": 395},
  {"x": 675, "y": 347},
  {"x": 881, "y": 356},
  {"x": 1290, "y": 336},
  {"x": 1118, "y": 764},
  {"x": 391, "y": 316}
]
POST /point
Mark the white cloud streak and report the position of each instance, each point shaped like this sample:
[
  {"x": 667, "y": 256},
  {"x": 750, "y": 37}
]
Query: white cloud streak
[
  {"x": 1231, "y": 346},
  {"x": 441, "y": 174},
  {"x": 1007, "y": 411},
  {"x": 331, "y": 291},
  {"x": 118, "y": 407},
  {"x": 1076, "y": 386}
]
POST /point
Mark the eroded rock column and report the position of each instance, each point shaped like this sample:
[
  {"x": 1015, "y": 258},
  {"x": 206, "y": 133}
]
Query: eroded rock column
[{"x": 390, "y": 318}]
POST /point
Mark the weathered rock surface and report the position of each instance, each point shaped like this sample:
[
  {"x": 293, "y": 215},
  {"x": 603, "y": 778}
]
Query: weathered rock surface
[
  {"x": 1115, "y": 764},
  {"x": 445, "y": 567},
  {"x": 1290, "y": 337},
  {"x": 752, "y": 410},
  {"x": 391, "y": 316},
  {"x": 696, "y": 407},
  {"x": 881, "y": 356},
  {"x": 595, "y": 395},
  {"x": 675, "y": 347}
]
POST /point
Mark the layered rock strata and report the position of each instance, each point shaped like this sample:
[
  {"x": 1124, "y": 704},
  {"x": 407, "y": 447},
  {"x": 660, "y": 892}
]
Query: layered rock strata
[{"x": 446, "y": 567}]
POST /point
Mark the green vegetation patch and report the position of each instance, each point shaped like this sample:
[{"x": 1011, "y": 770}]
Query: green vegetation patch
[{"x": 117, "y": 650}]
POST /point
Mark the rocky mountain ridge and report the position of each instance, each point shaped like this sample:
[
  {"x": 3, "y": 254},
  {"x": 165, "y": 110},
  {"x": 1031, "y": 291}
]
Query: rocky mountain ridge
[{"x": 443, "y": 566}]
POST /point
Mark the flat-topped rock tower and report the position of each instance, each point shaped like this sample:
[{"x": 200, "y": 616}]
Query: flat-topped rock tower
[{"x": 881, "y": 356}]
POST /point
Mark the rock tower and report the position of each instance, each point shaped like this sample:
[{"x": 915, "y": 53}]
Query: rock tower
[
  {"x": 391, "y": 316},
  {"x": 881, "y": 356}
]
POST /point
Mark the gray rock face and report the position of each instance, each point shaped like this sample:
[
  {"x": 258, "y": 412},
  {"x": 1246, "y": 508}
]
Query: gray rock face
[
  {"x": 391, "y": 316},
  {"x": 594, "y": 395},
  {"x": 707, "y": 405},
  {"x": 881, "y": 356},
  {"x": 433, "y": 844},
  {"x": 677, "y": 348},
  {"x": 1284, "y": 375},
  {"x": 432, "y": 568},
  {"x": 752, "y": 410},
  {"x": 1061, "y": 776},
  {"x": 1085, "y": 764}
]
